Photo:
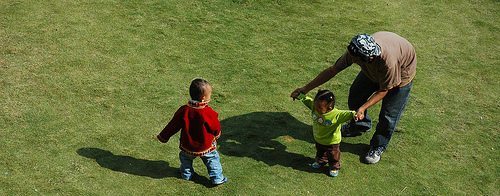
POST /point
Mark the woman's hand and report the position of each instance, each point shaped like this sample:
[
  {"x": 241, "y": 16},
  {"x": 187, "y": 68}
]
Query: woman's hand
[
  {"x": 360, "y": 115},
  {"x": 372, "y": 100},
  {"x": 297, "y": 92}
]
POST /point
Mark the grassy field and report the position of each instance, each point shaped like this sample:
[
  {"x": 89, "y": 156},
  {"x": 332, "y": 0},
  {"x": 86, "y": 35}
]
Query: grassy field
[{"x": 86, "y": 85}]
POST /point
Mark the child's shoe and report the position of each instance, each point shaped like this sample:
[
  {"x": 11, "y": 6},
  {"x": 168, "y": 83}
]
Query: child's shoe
[
  {"x": 224, "y": 180},
  {"x": 315, "y": 165},
  {"x": 334, "y": 172}
]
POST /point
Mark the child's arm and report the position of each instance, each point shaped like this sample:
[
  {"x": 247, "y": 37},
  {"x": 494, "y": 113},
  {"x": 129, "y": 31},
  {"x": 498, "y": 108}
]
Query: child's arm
[
  {"x": 212, "y": 123},
  {"x": 172, "y": 127},
  {"x": 345, "y": 116},
  {"x": 307, "y": 101}
]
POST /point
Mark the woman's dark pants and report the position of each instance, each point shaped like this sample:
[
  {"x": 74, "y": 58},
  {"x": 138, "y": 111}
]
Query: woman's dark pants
[{"x": 392, "y": 108}]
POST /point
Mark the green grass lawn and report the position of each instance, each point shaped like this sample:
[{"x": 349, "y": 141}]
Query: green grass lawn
[{"x": 86, "y": 85}]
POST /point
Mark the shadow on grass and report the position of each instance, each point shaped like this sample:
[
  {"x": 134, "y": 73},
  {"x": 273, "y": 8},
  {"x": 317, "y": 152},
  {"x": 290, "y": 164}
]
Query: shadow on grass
[
  {"x": 134, "y": 166},
  {"x": 128, "y": 164},
  {"x": 359, "y": 149},
  {"x": 140, "y": 167},
  {"x": 255, "y": 135}
]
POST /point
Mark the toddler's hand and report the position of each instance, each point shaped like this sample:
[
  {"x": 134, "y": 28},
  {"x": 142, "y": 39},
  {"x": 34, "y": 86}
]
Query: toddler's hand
[{"x": 158, "y": 137}]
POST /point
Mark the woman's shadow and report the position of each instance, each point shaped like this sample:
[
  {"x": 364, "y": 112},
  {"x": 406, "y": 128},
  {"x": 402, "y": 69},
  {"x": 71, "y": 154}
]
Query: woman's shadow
[
  {"x": 255, "y": 135},
  {"x": 141, "y": 167}
]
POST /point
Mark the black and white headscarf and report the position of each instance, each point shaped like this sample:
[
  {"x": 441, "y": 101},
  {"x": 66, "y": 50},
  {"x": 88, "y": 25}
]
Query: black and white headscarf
[{"x": 365, "y": 45}]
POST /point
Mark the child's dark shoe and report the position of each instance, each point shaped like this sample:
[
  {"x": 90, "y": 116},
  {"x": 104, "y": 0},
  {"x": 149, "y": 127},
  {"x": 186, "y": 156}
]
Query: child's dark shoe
[{"x": 315, "y": 165}]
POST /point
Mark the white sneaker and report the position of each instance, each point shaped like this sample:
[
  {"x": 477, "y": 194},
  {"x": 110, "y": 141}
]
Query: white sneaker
[{"x": 373, "y": 155}]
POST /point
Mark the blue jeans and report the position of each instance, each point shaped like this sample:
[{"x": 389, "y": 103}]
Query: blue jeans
[
  {"x": 211, "y": 161},
  {"x": 392, "y": 108}
]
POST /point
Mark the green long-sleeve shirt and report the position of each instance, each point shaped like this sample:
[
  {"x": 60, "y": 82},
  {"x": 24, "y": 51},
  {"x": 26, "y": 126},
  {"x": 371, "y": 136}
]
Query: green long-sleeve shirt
[{"x": 326, "y": 127}]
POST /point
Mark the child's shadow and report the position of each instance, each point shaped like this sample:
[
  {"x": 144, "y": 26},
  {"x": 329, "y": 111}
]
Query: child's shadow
[
  {"x": 134, "y": 166},
  {"x": 128, "y": 164},
  {"x": 255, "y": 135}
]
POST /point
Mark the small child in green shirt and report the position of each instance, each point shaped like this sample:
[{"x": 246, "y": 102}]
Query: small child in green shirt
[{"x": 327, "y": 121}]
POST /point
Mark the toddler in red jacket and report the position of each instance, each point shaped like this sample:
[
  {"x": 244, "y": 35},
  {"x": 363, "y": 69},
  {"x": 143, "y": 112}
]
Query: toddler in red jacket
[{"x": 200, "y": 128}]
